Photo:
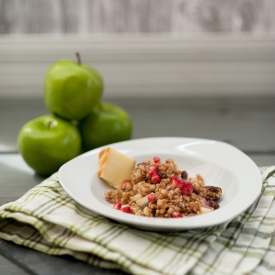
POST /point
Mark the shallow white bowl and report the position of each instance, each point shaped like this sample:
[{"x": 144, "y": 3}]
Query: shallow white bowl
[{"x": 219, "y": 163}]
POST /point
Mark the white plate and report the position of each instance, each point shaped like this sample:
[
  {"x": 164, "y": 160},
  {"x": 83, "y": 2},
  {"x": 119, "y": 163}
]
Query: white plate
[{"x": 219, "y": 163}]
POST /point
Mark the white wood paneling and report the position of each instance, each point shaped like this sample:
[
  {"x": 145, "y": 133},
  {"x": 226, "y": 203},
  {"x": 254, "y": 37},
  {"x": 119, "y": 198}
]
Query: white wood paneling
[{"x": 145, "y": 66}]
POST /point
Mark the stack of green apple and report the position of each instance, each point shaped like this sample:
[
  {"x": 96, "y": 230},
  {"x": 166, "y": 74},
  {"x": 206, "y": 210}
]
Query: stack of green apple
[{"x": 79, "y": 120}]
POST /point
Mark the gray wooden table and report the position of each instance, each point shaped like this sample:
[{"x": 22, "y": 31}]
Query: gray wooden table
[{"x": 247, "y": 123}]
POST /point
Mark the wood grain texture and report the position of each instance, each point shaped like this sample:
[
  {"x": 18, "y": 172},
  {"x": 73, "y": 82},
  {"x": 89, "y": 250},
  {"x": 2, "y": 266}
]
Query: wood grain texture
[
  {"x": 242, "y": 122},
  {"x": 6, "y": 267},
  {"x": 145, "y": 65},
  {"x": 38, "y": 263},
  {"x": 136, "y": 16}
]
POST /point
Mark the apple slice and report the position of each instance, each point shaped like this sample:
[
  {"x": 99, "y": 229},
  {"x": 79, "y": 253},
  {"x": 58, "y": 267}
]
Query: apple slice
[
  {"x": 115, "y": 167},
  {"x": 204, "y": 210}
]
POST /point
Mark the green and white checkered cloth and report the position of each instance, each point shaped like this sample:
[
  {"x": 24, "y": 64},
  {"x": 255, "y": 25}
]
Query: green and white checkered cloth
[{"x": 48, "y": 220}]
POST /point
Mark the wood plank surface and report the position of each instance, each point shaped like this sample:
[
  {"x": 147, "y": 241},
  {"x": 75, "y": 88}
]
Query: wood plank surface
[
  {"x": 145, "y": 65},
  {"x": 243, "y": 122},
  {"x": 37, "y": 263},
  {"x": 223, "y": 68},
  {"x": 143, "y": 16},
  {"x": 6, "y": 267}
]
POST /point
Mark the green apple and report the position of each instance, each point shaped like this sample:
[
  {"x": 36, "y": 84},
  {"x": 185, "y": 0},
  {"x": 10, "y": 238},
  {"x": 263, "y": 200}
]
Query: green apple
[
  {"x": 47, "y": 142},
  {"x": 71, "y": 89},
  {"x": 107, "y": 123}
]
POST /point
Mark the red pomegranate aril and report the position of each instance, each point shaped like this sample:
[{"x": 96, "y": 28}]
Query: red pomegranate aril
[
  {"x": 180, "y": 184},
  {"x": 151, "y": 197},
  {"x": 126, "y": 209},
  {"x": 189, "y": 185},
  {"x": 156, "y": 159},
  {"x": 152, "y": 173},
  {"x": 153, "y": 167},
  {"x": 174, "y": 181},
  {"x": 176, "y": 214},
  {"x": 117, "y": 205},
  {"x": 187, "y": 189},
  {"x": 155, "y": 179}
]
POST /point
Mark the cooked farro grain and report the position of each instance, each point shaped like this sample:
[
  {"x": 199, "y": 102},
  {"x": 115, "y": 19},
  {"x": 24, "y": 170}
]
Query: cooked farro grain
[{"x": 161, "y": 189}]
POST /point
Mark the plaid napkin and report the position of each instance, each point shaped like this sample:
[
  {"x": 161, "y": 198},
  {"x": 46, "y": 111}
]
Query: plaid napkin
[{"x": 48, "y": 220}]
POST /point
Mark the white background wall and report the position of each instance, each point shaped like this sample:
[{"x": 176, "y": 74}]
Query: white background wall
[{"x": 142, "y": 48}]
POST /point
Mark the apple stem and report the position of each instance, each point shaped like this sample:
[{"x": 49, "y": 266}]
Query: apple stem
[
  {"x": 49, "y": 124},
  {"x": 78, "y": 58}
]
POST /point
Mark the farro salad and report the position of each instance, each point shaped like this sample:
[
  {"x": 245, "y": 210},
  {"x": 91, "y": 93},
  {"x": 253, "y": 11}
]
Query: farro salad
[{"x": 161, "y": 189}]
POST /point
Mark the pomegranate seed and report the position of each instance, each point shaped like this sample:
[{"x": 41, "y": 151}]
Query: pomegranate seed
[
  {"x": 156, "y": 159},
  {"x": 180, "y": 184},
  {"x": 174, "y": 181},
  {"x": 189, "y": 185},
  {"x": 126, "y": 209},
  {"x": 153, "y": 173},
  {"x": 155, "y": 179},
  {"x": 117, "y": 205},
  {"x": 187, "y": 189},
  {"x": 176, "y": 214},
  {"x": 153, "y": 167},
  {"x": 124, "y": 184},
  {"x": 151, "y": 197}
]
